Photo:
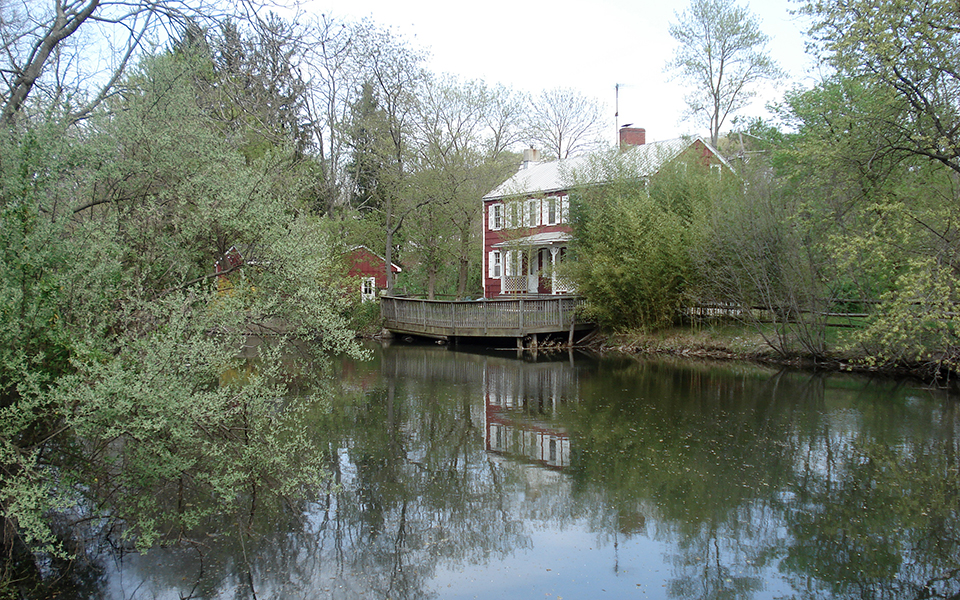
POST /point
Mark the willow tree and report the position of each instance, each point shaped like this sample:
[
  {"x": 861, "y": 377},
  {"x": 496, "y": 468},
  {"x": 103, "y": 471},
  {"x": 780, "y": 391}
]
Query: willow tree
[{"x": 124, "y": 394}]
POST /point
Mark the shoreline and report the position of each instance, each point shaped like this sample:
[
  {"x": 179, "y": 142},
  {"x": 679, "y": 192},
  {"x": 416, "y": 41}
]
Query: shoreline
[{"x": 709, "y": 344}]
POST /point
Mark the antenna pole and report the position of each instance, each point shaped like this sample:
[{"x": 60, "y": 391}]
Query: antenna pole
[{"x": 616, "y": 112}]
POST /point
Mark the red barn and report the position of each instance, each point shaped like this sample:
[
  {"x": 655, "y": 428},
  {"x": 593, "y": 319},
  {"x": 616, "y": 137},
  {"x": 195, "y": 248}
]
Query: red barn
[{"x": 368, "y": 267}]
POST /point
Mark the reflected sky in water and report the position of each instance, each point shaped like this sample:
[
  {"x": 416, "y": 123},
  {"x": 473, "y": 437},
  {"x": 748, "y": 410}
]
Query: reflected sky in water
[{"x": 458, "y": 474}]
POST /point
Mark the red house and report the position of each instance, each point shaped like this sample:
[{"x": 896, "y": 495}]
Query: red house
[
  {"x": 525, "y": 219},
  {"x": 369, "y": 268}
]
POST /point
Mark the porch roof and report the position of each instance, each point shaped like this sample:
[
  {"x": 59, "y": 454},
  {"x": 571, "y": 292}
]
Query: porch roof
[{"x": 539, "y": 239}]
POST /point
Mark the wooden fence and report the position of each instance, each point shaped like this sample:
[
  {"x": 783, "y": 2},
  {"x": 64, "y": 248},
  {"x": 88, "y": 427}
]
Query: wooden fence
[{"x": 482, "y": 318}]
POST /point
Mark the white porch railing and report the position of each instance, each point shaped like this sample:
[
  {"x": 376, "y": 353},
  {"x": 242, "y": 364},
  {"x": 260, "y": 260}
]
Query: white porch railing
[{"x": 513, "y": 284}]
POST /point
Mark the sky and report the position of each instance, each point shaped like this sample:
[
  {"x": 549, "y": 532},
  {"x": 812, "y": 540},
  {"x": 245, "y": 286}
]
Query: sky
[{"x": 591, "y": 46}]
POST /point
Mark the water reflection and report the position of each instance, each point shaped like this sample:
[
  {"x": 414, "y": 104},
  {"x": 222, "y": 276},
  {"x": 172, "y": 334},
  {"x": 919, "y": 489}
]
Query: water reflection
[
  {"x": 457, "y": 474},
  {"x": 522, "y": 402}
]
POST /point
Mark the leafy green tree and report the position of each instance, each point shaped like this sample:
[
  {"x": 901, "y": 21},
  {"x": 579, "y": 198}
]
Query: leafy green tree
[
  {"x": 367, "y": 146},
  {"x": 722, "y": 56},
  {"x": 462, "y": 152},
  {"x": 875, "y": 221},
  {"x": 633, "y": 237},
  {"x": 394, "y": 73},
  {"x": 760, "y": 256},
  {"x": 907, "y": 52},
  {"x": 124, "y": 394},
  {"x": 896, "y": 160}
]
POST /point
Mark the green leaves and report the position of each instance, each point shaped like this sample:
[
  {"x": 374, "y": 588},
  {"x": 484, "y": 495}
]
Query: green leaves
[
  {"x": 632, "y": 243},
  {"x": 124, "y": 388},
  {"x": 907, "y": 51},
  {"x": 721, "y": 55}
]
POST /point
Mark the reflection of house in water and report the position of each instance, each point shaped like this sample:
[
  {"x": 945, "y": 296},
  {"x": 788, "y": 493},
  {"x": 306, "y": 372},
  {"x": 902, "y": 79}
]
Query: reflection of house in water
[
  {"x": 521, "y": 404},
  {"x": 521, "y": 399}
]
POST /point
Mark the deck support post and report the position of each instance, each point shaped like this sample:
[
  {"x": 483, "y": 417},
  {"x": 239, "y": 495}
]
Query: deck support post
[{"x": 520, "y": 317}]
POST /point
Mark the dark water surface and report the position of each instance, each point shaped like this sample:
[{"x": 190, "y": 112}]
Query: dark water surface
[{"x": 468, "y": 475}]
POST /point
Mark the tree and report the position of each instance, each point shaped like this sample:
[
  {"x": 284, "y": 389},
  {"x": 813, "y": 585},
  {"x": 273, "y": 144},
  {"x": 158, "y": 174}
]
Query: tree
[
  {"x": 632, "y": 238},
  {"x": 562, "y": 122},
  {"x": 122, "y": 368},
  {"x": 394, "y": 73},
  {"x": 336, "y": 62},
  {"x": 721, "y": 56},
  {"x": 759, "y": 256},
  {"x": 462, "y": 141},
  {"x": 42, "y": 47},
  {"x": 907, "y": 51}
]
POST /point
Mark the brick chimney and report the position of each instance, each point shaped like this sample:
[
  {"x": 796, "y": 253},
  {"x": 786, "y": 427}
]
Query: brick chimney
[
  {"x": 531, "y": 156},
  {"x": 632, "y": 136}
]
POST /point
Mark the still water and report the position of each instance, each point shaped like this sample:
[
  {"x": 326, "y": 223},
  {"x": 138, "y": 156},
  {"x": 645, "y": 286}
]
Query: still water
[{"x": 467, "y": 475}]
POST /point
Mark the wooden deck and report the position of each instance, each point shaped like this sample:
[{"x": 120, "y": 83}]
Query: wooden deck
[{"x": 508, "y": 318}]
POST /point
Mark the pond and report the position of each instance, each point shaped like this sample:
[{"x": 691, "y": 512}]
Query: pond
[{"x": 463, "y": 474}]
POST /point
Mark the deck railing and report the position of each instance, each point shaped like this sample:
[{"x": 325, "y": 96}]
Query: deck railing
[{"x": 513, "y": 317}]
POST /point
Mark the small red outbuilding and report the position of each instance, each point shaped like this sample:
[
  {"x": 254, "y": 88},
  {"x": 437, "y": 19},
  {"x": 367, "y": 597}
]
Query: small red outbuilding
[{"x": 368, "y": 267}]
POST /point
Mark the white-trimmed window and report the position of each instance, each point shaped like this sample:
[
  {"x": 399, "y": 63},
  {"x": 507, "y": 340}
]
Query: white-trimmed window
[
  {"x": 368, "y": 289},
  {"x": 531, "y": 215},
  {"x": 551, "y": 210},
  {"x": 496, "y": 216},
  {"x": 510, "y": 218},
  {"x": 495, "y": 264}
]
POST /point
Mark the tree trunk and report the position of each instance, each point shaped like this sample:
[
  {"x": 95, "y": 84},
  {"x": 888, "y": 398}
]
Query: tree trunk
[{"x": 462, "y": 279}]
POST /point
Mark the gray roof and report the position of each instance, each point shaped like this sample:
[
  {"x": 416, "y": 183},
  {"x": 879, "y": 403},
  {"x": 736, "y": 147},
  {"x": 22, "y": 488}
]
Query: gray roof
[
  {"x": 555, "y": 176},
  {"x": 538, "y": 239}
]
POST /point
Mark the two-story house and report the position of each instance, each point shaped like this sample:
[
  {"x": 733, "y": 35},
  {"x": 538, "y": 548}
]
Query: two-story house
[{"x": 526, "y": 228}]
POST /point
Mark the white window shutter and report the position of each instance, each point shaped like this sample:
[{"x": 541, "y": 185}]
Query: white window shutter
[
  {"x": 494, "y": 264},
  {"x": 564, "y": 208}
]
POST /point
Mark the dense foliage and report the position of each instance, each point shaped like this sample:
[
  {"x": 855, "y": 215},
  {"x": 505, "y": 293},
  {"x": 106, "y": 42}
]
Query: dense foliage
[
  {"x": 841, "y": 239},
  {"x": 634, "y": 237},
  {"x": 126, "y": 401}
]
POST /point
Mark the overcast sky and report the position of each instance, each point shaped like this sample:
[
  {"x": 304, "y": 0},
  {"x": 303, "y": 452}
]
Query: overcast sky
[{"x": 588, "y": 45}]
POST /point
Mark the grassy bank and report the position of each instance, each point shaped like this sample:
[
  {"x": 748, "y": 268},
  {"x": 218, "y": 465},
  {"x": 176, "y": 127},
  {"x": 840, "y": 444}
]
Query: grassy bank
[{"x": 733, "y": 341}]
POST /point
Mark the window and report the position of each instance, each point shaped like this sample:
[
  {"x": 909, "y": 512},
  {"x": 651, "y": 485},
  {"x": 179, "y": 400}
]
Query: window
[
  {"x": 510, "y": 215},
  {"x": 495, "y": 264},
  {"x": 717, "y": 170},
  {"x": 532, "y": 214},
  {"x": 368, "y": 289},
  {"x": 551, "y": 210},
  {"x": 496, "y": 217}
]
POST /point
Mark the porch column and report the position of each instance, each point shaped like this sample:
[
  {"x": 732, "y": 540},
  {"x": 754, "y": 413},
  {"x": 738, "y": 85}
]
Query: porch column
[{"x": 554, "y": 250}]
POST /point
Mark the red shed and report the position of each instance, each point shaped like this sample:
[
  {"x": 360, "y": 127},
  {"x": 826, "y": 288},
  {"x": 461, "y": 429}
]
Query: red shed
[{"x": 369, "y": 268}]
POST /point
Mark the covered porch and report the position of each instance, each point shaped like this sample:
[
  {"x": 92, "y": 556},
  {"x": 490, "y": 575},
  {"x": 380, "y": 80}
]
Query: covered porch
[{"x": 532, "y": 264}]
